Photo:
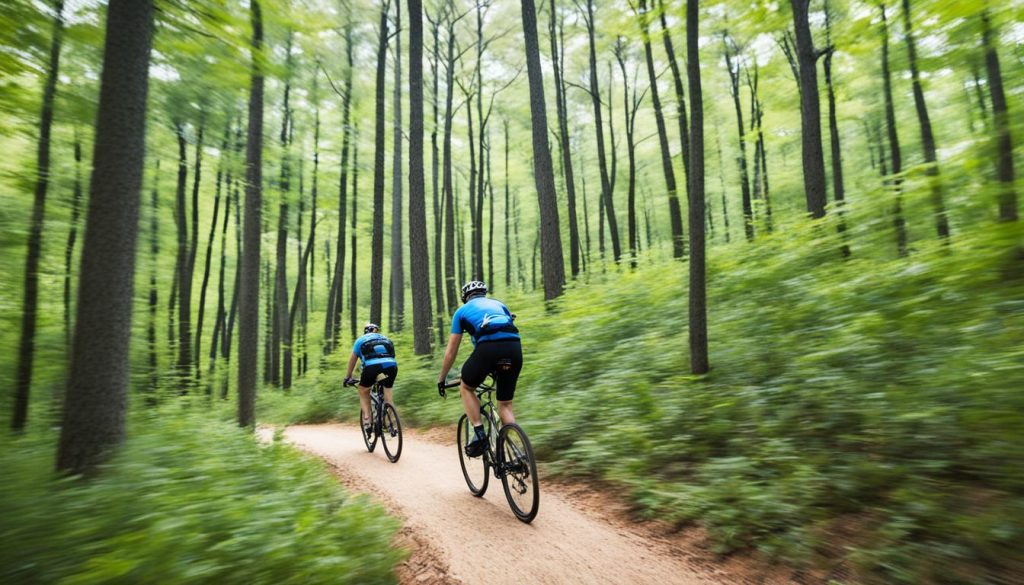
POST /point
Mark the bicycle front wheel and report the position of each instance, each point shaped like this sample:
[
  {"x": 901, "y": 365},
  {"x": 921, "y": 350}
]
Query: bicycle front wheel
[
  {"x": 476, "y": 470},
  {"x": 371, "y": 439},
  {"x": 391, "y": 433},
  {"x": 519, "y": 472}
]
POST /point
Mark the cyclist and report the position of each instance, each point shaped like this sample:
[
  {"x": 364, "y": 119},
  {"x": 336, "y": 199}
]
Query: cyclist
[
  {"x": 496, "y": 348},
  {"x": 377, "y": 353}
]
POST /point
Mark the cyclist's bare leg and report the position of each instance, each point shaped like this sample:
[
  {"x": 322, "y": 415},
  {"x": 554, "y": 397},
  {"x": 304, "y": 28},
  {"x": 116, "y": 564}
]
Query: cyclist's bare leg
[
  {"x": 388, "y": 397},
  {"x": 364, "y": 402},
  {"x": 471, "y": 403},
  {"x": 505, "y": 412}
]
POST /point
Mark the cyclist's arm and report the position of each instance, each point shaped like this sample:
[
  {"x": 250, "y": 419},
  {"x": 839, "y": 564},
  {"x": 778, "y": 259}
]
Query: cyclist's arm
[
  {"x": 351, "y": 364},
  {"x": 450, "y": 353}
]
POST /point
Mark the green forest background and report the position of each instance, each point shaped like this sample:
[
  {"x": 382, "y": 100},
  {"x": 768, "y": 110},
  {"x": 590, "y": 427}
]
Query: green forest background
[{"x": 862, "y": 418}]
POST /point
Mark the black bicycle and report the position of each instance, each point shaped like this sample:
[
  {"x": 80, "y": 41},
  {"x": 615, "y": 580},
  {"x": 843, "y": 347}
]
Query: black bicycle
[
  {"x": 385, "y": 424},
  {"x": 508, "y": 454}
]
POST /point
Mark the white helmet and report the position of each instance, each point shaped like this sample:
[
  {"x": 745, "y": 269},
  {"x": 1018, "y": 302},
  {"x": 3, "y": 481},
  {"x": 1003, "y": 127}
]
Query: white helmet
[{"x": 473, "y": 288}]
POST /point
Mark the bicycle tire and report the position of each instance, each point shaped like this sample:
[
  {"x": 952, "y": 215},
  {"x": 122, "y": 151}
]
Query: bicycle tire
[
  {"x": 519, "y": 472},
  {"x": 371, "y": 441},
  {"x": 391, "y": 426},
  {"x": 471, "y": 466}
]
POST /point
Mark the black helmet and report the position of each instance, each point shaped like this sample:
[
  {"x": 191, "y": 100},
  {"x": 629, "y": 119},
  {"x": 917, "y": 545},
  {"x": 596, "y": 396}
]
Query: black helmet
[
  {"x": 370, "y": 328},
  {"x": 473, "y": 288}
]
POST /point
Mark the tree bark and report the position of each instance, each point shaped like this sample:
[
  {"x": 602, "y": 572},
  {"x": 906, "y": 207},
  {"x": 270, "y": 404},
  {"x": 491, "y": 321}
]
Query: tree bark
[
  {"x": 552, "y": 262},
  {"x": 449, "y": 213},
  {"x": 435, "y": 181},
  {"x": 249, "y": 270},
  {"x": 184, "y": 281},
  {"x": 927, "y": 135},
  {"x": 810, "y": 111},
  {"x": 508, "y": 213},
  {"x": 698, "y": 326},
  {"x": 377, "y": 244},
  {"x": 684, "y": 130},
  {"x": 154, "y": 255},
  {"x": 418, "y": 257},
  {"x": 94, "y": 413},
  {"x": 335, "y": 299},
  {"x": 734, "y": 77},
  {"x": 629, "y": 111},
  {"x": 721, "y": 186},
  {"x": 396, "y": 314},
  {"x": 895, "y": 157},
  {"x": 69, "y": 248},
  {"x": 838, "y": 189},
  {"x": 209, "y": 250},
  {"x": 1003, "y": 136},
  {"x": 674, "y": 211},
  {"x": 353, "y": 282}
]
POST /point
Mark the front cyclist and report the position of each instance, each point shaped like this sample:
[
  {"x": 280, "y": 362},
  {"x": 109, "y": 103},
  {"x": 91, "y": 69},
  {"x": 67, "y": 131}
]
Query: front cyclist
[
  {"x": 496, "y": 348},
  {"x": 377, "y": 353}
]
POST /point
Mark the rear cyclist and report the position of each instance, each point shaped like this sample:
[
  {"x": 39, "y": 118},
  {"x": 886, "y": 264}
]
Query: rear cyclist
[
  {"x": 377, "y": 353},
  {"x": 496, "y": 348}
]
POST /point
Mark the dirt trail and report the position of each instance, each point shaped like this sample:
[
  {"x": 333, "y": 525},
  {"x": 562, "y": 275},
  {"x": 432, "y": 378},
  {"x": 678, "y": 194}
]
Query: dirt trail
[{"x": 458, "y": 538}]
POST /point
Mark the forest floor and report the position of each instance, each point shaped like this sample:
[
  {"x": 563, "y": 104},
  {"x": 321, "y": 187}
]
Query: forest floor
[{"x": 580, "y": 535}]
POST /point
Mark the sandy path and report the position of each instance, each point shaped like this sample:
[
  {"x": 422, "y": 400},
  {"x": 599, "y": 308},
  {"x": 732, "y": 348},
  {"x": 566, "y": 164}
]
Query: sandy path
[{"x": 478, "y": 540}]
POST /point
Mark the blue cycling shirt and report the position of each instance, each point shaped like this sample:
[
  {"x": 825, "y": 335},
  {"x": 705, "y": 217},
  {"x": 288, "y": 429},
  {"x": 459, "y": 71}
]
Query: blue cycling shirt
[
  {"x": 485, "y": 320},
  {"x": 374, "y": 349}
]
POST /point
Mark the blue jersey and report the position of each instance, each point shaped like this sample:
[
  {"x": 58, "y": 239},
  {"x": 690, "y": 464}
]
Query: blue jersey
[
  {"x": 374, "y": 349},
  {"x": 485, "y": 320}
]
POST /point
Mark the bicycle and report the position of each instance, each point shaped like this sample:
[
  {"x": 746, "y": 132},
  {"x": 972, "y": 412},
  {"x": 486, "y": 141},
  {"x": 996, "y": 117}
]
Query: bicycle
[
  {"x": 384, "y": 422},
  {"x": 509, "y": 454}
]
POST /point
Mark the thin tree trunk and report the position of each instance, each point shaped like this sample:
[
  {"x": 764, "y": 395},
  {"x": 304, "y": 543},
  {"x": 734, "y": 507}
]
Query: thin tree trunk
[
  {"x": 838, "y": 189},
  {"x": 449, "y": 212},
  {"x": 396, "y": 315},
  {"x": 734, "y": 76},
  {"x": 353, "y": 282},
  {"x": 721, "y": 186},
  {"x": 895, "y": 157},
  {"x": 563, "y": 135},
  {"x": 69, "y": 249},
  {"x": 418, "y": 257},
  {"x": 684, "y": 130},
  {"x": 927, "y": 136},
  {"x": 629, "y": 111},
  {"x": 1003, "y": 137},
  {"x": 674, "y": 211},
  {"x": 184, "y": 289},
  {"x": 281, "y": 360},
  {"x": 490, "y": 216},
  {"x": 154, "y": 255},
  {"x": 94, "y": 414},
  {"x": 435, "y": 181},
  {"x": 552, "y": 261},
  {"x": 608, "y": 204},
  {"x": 508, "y": 213},
  {"x": 249, "y": 270},
  {"x": 192, "y": 369},
  {"x": 698, "y": 325},
  {"x": 332, "y": 319},
  {"x": 209, "y": 250},
  {"x": 377, "y": 245},
  {"x": 474, "y": 222},
  {"x": 810, "y": 110}
]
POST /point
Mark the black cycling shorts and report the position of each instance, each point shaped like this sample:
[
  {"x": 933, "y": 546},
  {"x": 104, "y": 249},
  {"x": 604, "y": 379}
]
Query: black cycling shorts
[
  {"x": 369, "y": 375},
  {"x": 503, "y": 358}
]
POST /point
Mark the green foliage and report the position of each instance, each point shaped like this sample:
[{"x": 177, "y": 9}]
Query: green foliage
[{"x": 188, "y": 500}]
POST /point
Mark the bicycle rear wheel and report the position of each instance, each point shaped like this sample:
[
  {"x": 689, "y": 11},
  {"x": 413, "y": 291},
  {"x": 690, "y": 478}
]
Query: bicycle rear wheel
[
  {"x": 371, "y": 439},
  {"x": 476, "y": 470},
  {"x": 519, "y": 472},
  {"x": 391, "y": 433}
]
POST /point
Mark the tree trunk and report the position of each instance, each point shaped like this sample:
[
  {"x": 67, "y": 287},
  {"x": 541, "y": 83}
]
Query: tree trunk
[
  {"x": 629, "y": 111},
  {"x": 154, "y": 255},
  {"x": 895, "y": 157},
  {"x": 418, "y": 257},
  {"x": 810, "y": 111},
  {"x": 563, "y": 135},
  {"x": 838, "y": 188},
  {"x": 684, "y": 130},
  {"x": 474, "y": 228},
  {"x": 377, "y": 245},
  {"x": 508, "y": 213},
  {"x": 608, "y": 204},
  {"x": 927, "y": 136},
  {"x": 193, "y": 249},
  {"x": 184, "y": 289},
  {"x": 69, "y": 249},
  {"x": 734, "y": 77},
  {"x": 552, "y": 262},
  {"x": 353, "y": 282},
  {"x": 721, "y": 186},
  {"x": 332, "y": 319},
  {"x": 435, "y": 181},
  {"x": 249, "y": 269},
  {"x": 449, "y": 212},
  {"x": 209, "y": 249},
  {"x": 1003, "y": 137},
  {"x": 396, "y": 315},
  {"x": 94, "y": 413},
  {"x": 674, "y": 211},
  {"x": 281, "y": 360},
  {"x": 698, "y": 324}
]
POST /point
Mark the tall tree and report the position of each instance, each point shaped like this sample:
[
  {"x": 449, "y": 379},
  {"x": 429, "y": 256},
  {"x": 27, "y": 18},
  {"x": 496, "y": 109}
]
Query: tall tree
[
  {"x": 249, "y": 271},
  {"x": 94, "y": 412},
  {"x": 732, "y": 53},
  {"x": 630, "y": 107},
  {"x": 927, "y": 135},
  {"x": 184, "y": 277},
  {"x": 895, "y": 156},
  {"x": 193, "y": 248},
  {"x": 677, "y": 80},
  {"x": 674, "y": 211},
  {"x": 508, "y": 214},
  {"x": 449, "y": 196},
  {"x": 807, "y": 56},
  {"x": 209, "y": 247},
  {"x": 353, "y": 282},
  {"x": 435, "y": 71},
  {"x": 838, "y": 189},
  {"x": 1003, "y": 137},
  {"x": 377, "y": 244},
  {"x": 552, "y": 261},
  {"x": 154, "y": 254},
  {"x": 607, "y": 203},
  {"x": 698, "y": 325},
  {"x": 69, "y": 248},
  {"x": 417, "y": 197},
  {"x": 396, "y": 314},
  {"x": 563, "y": 136}
]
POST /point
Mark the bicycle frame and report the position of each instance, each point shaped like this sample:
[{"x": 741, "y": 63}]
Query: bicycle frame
[{"x": 485, "y": 394}]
